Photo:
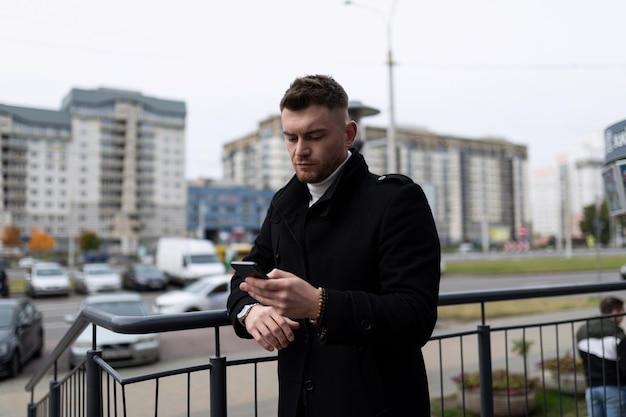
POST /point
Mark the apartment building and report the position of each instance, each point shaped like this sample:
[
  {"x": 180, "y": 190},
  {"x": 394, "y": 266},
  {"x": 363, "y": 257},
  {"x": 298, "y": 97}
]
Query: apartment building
[
  {"x": 108, "y": 161},
  {"x": 560, "y": 193},
  {"x": 477, "y": 188}
]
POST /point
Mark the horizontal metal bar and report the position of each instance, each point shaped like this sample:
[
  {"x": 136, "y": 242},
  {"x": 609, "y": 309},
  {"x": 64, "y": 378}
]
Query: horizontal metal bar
[
  {"x": 467, "y": 297},
  {"x": 128, "y": 325},
  {"x": 140, "y": 378},
  {"x": 217, "y": 318}
]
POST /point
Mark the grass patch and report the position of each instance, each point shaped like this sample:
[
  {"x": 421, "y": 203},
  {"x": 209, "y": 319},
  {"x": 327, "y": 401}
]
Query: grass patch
[
  {"x": 17, "y": 286},
  {"x": 471, "y": 312},
  {"x": 556, "y": 405},
  {"x": 533, "y": 265}
]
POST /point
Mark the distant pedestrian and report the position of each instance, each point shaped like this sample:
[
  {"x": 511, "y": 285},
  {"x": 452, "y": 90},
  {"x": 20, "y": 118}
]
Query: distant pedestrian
[
  {"x": 4, "y": 283},
  {"x": 598, "y": 341}
]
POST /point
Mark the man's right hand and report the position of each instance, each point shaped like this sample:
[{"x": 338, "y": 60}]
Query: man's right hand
[{"x": 270, "y": 329}]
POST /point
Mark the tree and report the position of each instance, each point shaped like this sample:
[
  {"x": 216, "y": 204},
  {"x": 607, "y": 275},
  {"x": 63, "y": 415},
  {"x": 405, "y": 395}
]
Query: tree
[
  {"x": 522, "y": 347},
  {"x": 40, "y": 241},
  {"x": 11, "y": 236},
  {"x": 89, "y": 240},
  {"x": 592, "y": 222}
]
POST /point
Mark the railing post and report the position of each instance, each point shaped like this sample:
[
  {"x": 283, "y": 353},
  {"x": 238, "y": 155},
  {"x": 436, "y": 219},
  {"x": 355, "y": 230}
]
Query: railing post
[
  {"x": 94, "y": 384},
  {"x": 32, "y": 410},
  {"x": 218, "y": 386},
  {"x": 484, "y": 368},
  {"x": 54, "y": 403}
]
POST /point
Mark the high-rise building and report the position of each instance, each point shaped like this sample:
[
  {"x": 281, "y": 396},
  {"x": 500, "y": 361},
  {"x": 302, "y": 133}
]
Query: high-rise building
[
  {"x": 477, "y": 188},
  {"x": 109, "y": 161},
  {"x": 562, "y": 191}
]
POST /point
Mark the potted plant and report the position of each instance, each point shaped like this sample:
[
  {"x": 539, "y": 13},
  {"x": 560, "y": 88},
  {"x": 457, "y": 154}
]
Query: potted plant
[
  {"x": 564, "y": 373},
  {"x": 513, "y": 392}
]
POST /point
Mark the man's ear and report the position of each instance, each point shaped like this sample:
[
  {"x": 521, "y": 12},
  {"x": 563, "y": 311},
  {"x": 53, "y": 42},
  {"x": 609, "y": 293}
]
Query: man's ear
[{"x": 351, "y": 129}]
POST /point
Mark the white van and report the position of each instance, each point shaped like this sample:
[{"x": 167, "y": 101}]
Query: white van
[{"x": 185, "y": 259}]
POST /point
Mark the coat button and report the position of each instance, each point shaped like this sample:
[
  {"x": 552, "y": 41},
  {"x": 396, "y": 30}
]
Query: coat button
[
  {"x": 308, "y": 385},
  {"x": 366, "y": 325}
]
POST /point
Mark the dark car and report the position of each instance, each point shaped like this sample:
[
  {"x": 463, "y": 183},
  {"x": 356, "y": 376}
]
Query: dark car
[
  {"x": 143, "y": 277},
  {"x": 21, "y": 334},
  {"x": 4, "y": 283},
  {"x": 4, "y": 278}
]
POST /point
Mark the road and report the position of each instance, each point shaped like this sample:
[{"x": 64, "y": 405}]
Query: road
[
  {"x": 458, "y": 283},
  {"x": 193, "y": 343},
  {"x": 198, "y": 344}
]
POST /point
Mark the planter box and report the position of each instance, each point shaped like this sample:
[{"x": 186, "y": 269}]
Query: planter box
[
  {"x": 566, "y": 382},
  {"x": 514, "y": 405}
]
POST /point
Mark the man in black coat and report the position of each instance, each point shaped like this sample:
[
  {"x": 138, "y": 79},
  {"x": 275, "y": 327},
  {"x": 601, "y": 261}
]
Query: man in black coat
[{"x": 353, "y": 260}]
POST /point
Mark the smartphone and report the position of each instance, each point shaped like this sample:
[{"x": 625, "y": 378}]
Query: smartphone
[{"x": 248, "y": 269}]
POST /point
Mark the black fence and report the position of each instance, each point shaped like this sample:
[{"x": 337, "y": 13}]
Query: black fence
[{"x": 514, "y": 369}]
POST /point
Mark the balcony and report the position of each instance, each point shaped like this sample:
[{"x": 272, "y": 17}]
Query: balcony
[{"x": 98, "y": 389}]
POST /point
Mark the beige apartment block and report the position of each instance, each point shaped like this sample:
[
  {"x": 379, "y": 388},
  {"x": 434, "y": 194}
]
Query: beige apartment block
[
  {"x": 108, "y": 161},
  {"x": 477, "y": 188}
]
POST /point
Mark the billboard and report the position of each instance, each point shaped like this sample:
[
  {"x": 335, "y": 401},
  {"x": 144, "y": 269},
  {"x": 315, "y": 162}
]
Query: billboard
[
  {"x": 614, "y": 177},
  {"x": 499, "y": 234},
  {"x": 615, "y": 142}
]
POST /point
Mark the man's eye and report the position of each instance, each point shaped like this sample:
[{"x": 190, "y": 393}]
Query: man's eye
[{"x": 291, "y": 138}]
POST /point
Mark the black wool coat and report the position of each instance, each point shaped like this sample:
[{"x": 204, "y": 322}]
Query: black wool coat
[{"x": 372, "y": 243}]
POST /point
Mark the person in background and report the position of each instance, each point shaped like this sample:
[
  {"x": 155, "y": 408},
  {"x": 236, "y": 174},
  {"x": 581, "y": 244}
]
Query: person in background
[
  {"x": 353, "y": 261},
  {"x": 4, "y": 282},
  {"x": 598, "y": 340}
]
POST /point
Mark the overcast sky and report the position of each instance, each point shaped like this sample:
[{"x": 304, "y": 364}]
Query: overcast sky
[{"x": 550, "y": 74}]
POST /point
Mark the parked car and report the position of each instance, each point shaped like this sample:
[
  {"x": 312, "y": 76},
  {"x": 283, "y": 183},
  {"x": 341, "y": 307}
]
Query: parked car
[
  {"x": 95, "y": 277},
  {"x": 122, "y": 260},
  {"x": 21, "y": 334},
  {"x": 47, "y": 278},
  {"x": 143, "y": 277},
  {"x": 117, "y": 348},
  {"x": 208, "y": 293},
  {"x": 27, "y": 262}
]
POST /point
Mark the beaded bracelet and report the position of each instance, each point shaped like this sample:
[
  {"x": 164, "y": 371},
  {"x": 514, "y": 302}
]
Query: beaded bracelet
[{"x": 321, "y": 306}]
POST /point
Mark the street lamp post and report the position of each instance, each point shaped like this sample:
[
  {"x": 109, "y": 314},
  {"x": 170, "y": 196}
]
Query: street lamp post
[{"x": 392, "y": 165}]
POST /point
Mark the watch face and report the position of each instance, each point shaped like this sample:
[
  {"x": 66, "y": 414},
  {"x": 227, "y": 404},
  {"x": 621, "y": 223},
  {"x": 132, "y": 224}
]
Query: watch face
[{"x": 243, "y": 312}]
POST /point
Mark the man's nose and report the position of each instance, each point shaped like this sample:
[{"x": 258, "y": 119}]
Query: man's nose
[{"x": 302, "y": 148}]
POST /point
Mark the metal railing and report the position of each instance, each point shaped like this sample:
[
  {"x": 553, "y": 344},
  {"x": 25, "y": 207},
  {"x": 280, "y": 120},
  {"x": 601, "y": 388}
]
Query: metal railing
[{"x": 97, "y": 389}]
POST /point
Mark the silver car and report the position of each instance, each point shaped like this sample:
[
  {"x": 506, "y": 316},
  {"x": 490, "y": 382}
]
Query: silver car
[
  {"x": 96, "y": 277},
  {"x": 47, "y": 278},
  {"x": 117, "y": 348},
  {"x": 208, "y": 293}
]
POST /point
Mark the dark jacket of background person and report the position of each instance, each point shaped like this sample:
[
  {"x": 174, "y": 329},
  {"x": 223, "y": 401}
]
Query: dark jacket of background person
[
  {"x": 598, "y": 342},
  {"x": 371, "y": 242}
]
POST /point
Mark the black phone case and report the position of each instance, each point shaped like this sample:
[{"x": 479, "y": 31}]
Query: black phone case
[{"x": 248, "y": 269}]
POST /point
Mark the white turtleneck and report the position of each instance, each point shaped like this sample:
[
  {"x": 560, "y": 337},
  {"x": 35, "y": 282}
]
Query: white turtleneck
[{"x": 317, "y": 190}]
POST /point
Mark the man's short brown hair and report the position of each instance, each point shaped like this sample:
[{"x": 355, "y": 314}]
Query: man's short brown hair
[
  {"x": 321, "y": 90},
  {"x": 610, "y": 304}
]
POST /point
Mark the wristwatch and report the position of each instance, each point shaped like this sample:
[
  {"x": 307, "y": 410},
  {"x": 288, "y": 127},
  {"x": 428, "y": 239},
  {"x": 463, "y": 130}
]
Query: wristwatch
[{"x": 241, "y": 316}]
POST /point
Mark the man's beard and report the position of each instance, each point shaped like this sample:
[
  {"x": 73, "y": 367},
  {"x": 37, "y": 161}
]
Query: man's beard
[{"x": 317, "y": 174}]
